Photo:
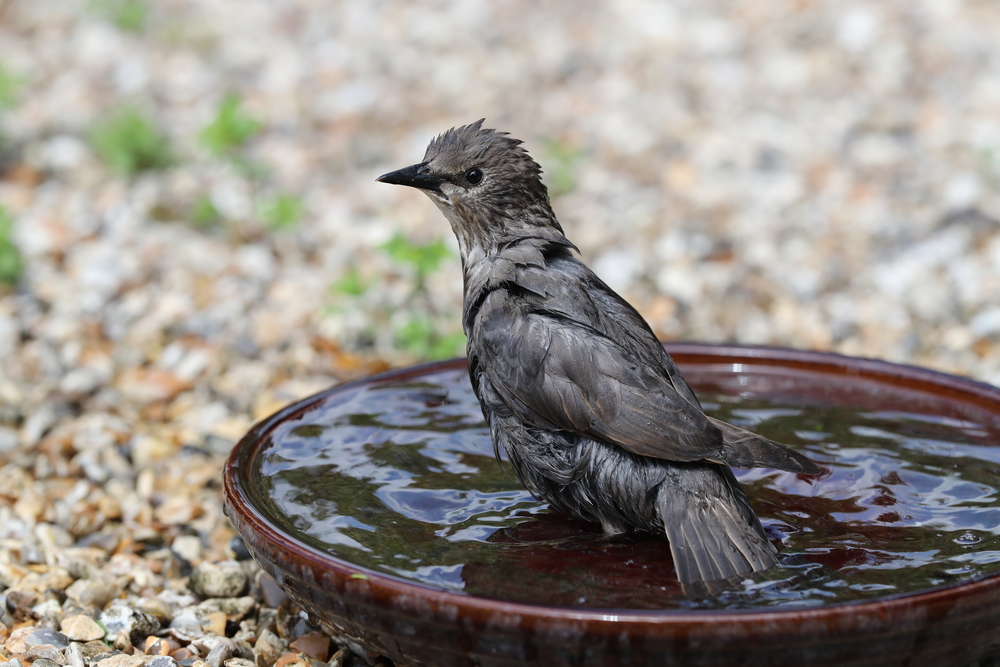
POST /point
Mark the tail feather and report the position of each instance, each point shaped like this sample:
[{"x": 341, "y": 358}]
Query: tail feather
[
  {"x": 713, "y": 532},
  {"x": 744, "y": 449}
]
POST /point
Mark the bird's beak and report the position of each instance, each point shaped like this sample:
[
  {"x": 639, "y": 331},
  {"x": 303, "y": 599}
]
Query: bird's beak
[{"x": 417, "y": 176}]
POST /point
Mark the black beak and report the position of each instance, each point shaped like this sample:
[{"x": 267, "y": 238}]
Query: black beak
[{"x": 417, "y": 176}]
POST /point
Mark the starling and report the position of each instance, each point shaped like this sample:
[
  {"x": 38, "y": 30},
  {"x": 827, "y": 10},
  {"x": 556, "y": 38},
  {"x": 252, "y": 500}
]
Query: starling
[{"x": 591, "y": 411}]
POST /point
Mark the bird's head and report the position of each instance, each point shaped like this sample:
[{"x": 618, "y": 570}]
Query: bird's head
[{"x": 485, "y": 183}]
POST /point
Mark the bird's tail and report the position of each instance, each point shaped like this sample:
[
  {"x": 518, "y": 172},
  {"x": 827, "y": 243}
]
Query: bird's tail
[
  {"x": 744, "y": 449},
  {"x": 713, "y": 532}
]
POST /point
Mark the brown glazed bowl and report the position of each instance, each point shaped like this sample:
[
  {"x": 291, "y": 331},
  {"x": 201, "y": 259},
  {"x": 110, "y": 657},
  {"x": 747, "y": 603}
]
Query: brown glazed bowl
[{"x": 414, "y": 624}]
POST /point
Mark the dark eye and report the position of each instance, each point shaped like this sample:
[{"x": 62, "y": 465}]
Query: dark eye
[{"x": 474, "y": 175}]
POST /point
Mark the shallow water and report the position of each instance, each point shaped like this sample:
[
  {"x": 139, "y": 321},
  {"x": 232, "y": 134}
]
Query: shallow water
[{"x": 400, "y": 477}]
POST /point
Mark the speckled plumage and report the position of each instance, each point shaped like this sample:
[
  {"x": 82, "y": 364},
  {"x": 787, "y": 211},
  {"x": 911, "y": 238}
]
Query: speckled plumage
[{"x": 592, "y": 413}]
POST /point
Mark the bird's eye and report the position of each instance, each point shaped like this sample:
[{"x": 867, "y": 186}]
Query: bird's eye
[{"x": 474, "y": 175}]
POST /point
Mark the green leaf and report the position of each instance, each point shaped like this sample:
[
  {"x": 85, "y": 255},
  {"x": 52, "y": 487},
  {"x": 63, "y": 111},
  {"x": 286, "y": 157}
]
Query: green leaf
[
  {"x": 282, "y": 212},
  {"x": 127, "y": 15},
  {"x": 11, "y": 264},
  {"x": 130, "y": 143},
  {"x": 420, "y": 338},
  {"x": 563, "y": 160},
  {"x": 10, "y": 86},
  {"x": 424, "y": 258},
  {"x": 231, "y": 129},
  {"x": 204, "y": 213},
  {"x": 351, "y": 284}
]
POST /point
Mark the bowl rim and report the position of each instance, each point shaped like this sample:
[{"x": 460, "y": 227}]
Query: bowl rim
[{"x": 239, "y": 505}]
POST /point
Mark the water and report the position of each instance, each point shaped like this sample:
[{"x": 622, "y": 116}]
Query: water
[{"x": 400, "y": 477}]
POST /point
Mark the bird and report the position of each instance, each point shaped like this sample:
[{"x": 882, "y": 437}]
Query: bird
[{"x": 591, "y": 411}]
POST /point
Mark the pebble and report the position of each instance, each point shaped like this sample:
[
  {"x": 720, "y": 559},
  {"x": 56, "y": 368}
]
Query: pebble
[
  {"x": 161, "y": 661},
  {"x": 16, "y": 641},
  {"x": 135, "y": 623},
  {"x": 314, "y": 644},
  {"x": 45, "y": 652},
  {"x": 269, "y": 648},
  {"x": 47, "y": 636},
  {"x": 81, "y": 628},
  {"x": 235, "y": 609},
  {"x": 122, "y": 660},
  {"x": 94, "y": 592},
  {"x": 45, "y": 662},
  {"x": 222, "y": 652},
  {"x": 338, "y": 658},
  {"x": 74, "y": 655},
  {"x": 274, "y": 596},
  {"x": 218, "y": 580},
  {"x": 214, "y": 623},
  {"x": 187, "y": 547},
  {"x": 92, "y": 649}
]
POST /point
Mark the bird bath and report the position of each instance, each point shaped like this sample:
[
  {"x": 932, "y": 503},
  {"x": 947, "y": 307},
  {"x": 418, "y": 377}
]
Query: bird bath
[{"x": 379, "y": 507}]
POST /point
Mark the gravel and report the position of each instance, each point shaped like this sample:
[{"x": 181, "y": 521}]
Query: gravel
[{"x": 817, "y": 175}]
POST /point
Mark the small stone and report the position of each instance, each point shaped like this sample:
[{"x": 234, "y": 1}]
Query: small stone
[
  {"x": 47, "y": 636},
  {"x": 93, "y": 592},
  {"x": 45, "y": 662},
  {"x": 49, "y": 611},
  {"x": 218, "y": 580},
  {"x": 292, "y": 660},
  {"x": 161, "y": 661},
  {"x": 137, "y": 624},
  {"x": 55, "y": 578},
  {"x": 269, "y": 648},
  {"x": 273, "y": 596},
  {"x": 187, "y": 547},
  {"x": 338, "y": 659},
  {"x": 156, "y": 646},
  {"x": 314, "y": 644},
  {"x": 15, "y": 643},
  {"x": 81, "y": 628},
  {"x": 74, "y": 655},
  {"x": 122, "y": 660},
  {"x": 154, "y": 607},
  {"x": 177, "y": 511},
  {"x": 92, "y": 649},
  {"x": 239, "y": 662},
  {"x": 183, "y": 654},
  {"x": 234, "y": 608},
  {"x": 239, "y": 549},
  {"x": 222, "y": 652},
  {"x": 214, "y": 624},
  {"x": 45, "y": 652},
  {"x": 123, "y": 643}
]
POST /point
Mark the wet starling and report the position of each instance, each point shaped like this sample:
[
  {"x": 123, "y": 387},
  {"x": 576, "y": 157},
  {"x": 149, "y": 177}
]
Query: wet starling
[{"x": 592, "y": 413}]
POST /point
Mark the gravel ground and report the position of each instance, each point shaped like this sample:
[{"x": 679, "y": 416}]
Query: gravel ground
[{"x": 811, "y": 174}]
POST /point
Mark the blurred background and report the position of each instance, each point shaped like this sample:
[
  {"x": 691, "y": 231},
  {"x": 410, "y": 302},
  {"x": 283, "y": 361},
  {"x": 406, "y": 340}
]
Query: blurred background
[{"x": 191, "y": 234}]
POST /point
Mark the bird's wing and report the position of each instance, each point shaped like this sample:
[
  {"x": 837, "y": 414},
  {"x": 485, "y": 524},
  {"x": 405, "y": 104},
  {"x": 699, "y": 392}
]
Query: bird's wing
[{"x": 554, "y": 372}]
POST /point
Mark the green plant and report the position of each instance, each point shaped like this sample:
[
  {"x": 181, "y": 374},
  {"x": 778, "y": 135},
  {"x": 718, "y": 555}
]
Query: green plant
[
  {"x": 10, "y": 86},
  {"x": 127, "y": 15},
  {"x": 562, "y": 160},
  {"x": 129, "y": 143},
  {"x": 204, "y": 213},
  {"x": 420, "y": 337},
  {"x": 11, "y": 264},
  {"x": 351, "y": 284},
  {"x": 417, "y": 328},
  {"x": 424, "y": 258},
  {"x": 230, "y": 131},
  {"x": 282, "y": 212}
]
